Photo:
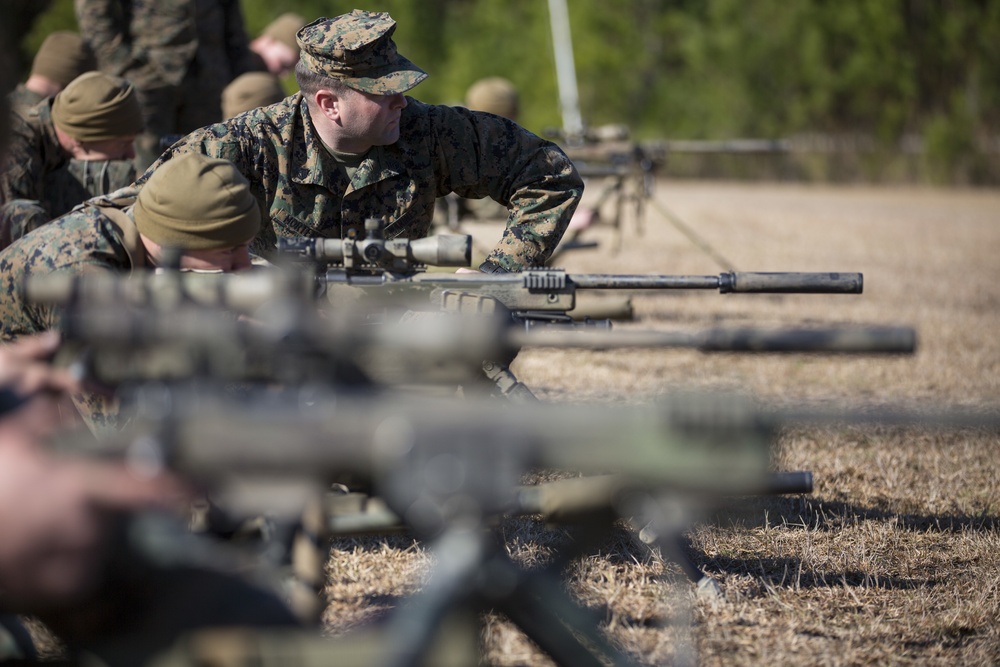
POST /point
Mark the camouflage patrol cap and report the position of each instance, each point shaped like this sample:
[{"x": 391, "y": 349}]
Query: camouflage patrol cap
[
  {"x": 198, "y": 203},
  {"x": 97, "y": 107},
  {"x": 62, "y": 57},
  {"x": 357, "y": 48}
]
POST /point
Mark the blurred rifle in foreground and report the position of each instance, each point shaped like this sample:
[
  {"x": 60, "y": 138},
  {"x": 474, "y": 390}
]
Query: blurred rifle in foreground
[
  {"x": 449, "y": 469},
  {"x": 446, "y": 469}
]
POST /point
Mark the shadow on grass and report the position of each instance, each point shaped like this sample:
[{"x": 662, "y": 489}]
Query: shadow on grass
[
  {"x": 790, "y": 573},
  {"x": 811, "y": 513}
]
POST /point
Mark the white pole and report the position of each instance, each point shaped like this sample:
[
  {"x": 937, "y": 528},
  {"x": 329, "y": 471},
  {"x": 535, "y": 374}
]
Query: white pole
[{"x": 569, "y": 100}]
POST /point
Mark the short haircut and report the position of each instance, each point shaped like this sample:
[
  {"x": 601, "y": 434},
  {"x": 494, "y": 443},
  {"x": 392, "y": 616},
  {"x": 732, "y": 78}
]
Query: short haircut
[{"x": 310, "y": 81}]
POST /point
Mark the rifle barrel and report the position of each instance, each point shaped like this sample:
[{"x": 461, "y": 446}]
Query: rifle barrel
[{"x": 732, "y": 281}]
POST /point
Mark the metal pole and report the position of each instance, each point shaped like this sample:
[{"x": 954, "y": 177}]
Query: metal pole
[{"x": 569, "y": 100}]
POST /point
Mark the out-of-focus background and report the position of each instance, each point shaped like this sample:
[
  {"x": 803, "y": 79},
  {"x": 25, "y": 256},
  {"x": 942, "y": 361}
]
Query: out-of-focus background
[{"x": 886, "y": 91}]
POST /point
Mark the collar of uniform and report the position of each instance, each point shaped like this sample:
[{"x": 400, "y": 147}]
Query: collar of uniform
[
  {"x": 118, "y": 209},
  {"x": 313, "y": 165},
  {"x": 380, "y": 165},
  {"x": 131, "y": 241},
  {"x": 310, "y": 162}
]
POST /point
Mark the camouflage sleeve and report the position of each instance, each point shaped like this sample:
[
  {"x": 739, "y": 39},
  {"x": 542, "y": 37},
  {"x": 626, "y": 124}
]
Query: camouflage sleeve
[
  {"x": 23, "y": 168},
  {"x": 104, "y": 26},
  {"x": 482, "y": 155}
]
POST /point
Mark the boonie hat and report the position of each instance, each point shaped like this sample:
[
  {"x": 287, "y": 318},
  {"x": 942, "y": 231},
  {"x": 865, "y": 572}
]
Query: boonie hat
[
  {"x": 357, "y": 48},
  {"x": 198, "y": 203},
  {"x": 97, "y": 107}
]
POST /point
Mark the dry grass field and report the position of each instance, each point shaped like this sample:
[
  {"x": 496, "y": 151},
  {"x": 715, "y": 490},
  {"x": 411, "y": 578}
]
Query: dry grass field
[{"x": 895, "y": 557}]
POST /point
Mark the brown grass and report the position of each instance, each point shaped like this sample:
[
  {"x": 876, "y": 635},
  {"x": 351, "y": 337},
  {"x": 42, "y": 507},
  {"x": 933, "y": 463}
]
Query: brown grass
[{"x": 894, "y": 558}]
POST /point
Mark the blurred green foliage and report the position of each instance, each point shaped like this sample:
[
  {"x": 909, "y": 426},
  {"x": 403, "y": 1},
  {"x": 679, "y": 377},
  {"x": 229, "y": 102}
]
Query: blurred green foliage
[{"x": 715, "y": 69}]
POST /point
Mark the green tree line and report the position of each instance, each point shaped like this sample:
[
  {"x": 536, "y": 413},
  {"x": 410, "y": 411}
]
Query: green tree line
[{"x": 885, "y": 70}]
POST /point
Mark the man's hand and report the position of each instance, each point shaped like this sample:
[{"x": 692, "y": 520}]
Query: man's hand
[
  {"x": 24, "y": 366},
  {"x": 55, "y": 511}
]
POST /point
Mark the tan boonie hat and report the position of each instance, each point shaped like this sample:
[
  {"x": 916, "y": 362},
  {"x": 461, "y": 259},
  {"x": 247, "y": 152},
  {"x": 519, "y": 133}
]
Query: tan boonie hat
[
  {"x": 357, "y": 48},
  {"x": 285, "y": 28},
  {"x": 198, "y": 203},
  {"x": 249, "y": 91},
  {"x": 62, "y": 57},
  {"x": 495, "y": 95},
  {"x": 97, "y": 107}
]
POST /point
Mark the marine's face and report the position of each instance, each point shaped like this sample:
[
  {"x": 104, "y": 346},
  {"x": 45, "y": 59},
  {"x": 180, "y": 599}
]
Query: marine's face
[
  {"x": 370, "y": 120},
  {"x": 236, "y": 258},
  {"x": 119, "y": 148}
]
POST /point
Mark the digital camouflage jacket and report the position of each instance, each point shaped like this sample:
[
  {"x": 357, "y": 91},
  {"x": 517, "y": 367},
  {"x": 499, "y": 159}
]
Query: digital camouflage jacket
[
  {"x": 21, "y": 99},
  {"x": 40, "y": 181},
  {"x": 85, "y": 240},
  {"x": 441, "y": 149},
  {"x": 91, "y": 238},
  {"x": 33, "y": 152}
]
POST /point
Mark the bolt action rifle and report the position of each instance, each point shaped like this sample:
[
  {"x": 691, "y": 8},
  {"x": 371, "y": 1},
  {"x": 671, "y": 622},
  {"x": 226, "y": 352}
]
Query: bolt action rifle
[
  {"x": 544, "y": 296},
  {"x": 398, "y": 266},
  {"x": 175, "y": 324}
]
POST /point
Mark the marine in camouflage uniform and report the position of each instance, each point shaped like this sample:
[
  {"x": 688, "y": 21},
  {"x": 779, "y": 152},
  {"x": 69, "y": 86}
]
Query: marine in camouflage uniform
[
  {"x": 42, "y": 178},
  {"x": 307, "y": 191},
  {"x": 179, "y": 54},
  {"x": 189, "y": 204},
  {"x": 88, "y": 239},
  {"x": 22, "y": 98}
]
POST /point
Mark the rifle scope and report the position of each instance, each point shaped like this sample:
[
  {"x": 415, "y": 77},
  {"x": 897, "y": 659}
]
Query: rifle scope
[{"x": 374, "y": 250}]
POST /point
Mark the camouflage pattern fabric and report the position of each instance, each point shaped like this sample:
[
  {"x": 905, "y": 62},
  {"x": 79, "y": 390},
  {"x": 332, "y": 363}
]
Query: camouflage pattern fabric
[
  {"x": 19, "y": 217},
  {"x": 441, "y": 149},
  {"x": 41, "y": 182},
  {"x": 33, "y": 152},
  {"x": 84, "y": 240},
  {"x": 179, "y": 54},
  {"x": 21, "y": 99}
]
